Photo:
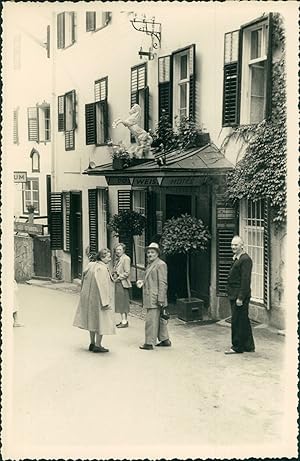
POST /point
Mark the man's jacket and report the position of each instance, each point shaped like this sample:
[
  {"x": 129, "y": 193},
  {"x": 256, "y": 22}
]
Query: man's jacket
[
  {"x": 155, "y": 285},
  {"x": 239, "y": 278}
]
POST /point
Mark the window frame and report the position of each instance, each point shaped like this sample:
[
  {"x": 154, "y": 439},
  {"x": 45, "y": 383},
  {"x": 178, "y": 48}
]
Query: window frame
[
  {"x": 140, "y": 240},
  {"x": 64, "y": 28},
  {"x": 31, "y": 190},
  {"x": 39, "y": 119},
  {"x": 106, "y": 17}
]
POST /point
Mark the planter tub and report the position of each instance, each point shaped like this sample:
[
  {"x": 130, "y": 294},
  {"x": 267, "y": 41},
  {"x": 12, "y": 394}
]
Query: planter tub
[
  {"x": 119, "y": 163},
  {"x": 189, "y": 310}
]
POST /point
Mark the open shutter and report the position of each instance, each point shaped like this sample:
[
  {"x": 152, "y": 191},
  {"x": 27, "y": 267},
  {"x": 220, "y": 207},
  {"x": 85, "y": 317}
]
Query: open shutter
[
  {"x": 33, "y": 124},
  {"x": 231, "y": 79},
  {"x": 165, "y": 87},
  {"x": 48, "y": 43},
  {"x": 61, "y": 112},
  {"x": 61, "y": 30},
  {"x": 134, "y": 87},
  {"x": 90, "y": 21},
  {"x": 269, "y": 68},
  {"x": 67, "y": 211},
  {"x": 125, "y": 203},
  {"x": 73, "y": 25},
  {"x": 192, "y": 95},
  {"x": 73, "y": 96},
  {"x": 70, "y": 140},
  {"x": 226, "y": 229},
  {"x": 90, "y": 123},
  {"x": 56, "y": 221},
  {"x": 16, "y": 126},
  {"x": 93, "y": 219},
  {"x": 267, "y": 256},
  {"x": 104, "y": 105},
  {"x": 146, "y": 108}
]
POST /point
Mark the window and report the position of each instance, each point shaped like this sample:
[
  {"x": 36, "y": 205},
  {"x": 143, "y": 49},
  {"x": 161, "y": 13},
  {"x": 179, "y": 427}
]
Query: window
[
  {"x": 247, "y": 73},
  {"x": 176, "y": 87},
  {"x": 65, "y": 29},
  {"x": 16, "y": 126},
  {"x": 139, "y": 205},
  {"x": 252, "y": 225},
  {"x": 102, "y": 217},
  {"x": 96, "y": 20},
  {"x": 35, "y": 161},
  {"x": 96, "y": 115},
  {"x": 31, "y": 195},
  {"x": 140, "y": 93},
  {"x": 98, "y": 202},
  {"x": 39, "y": 129},
  {"x": 67, "y": 118}
]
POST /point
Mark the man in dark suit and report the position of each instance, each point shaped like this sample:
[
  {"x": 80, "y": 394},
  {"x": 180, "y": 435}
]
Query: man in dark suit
[{"x": 239, "y": 293}]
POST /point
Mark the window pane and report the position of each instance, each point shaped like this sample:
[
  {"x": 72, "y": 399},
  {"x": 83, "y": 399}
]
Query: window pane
[
  {"x": 255, "y": 48},
  {"x": 183, "y": 67},
  {"x": 99, "y": 124},
  {"x": 258, "y": 83},
  {"x": 69, "y": 112}
]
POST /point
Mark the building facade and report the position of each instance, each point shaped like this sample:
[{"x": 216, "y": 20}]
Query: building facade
[{"x": 216, "y": 71}]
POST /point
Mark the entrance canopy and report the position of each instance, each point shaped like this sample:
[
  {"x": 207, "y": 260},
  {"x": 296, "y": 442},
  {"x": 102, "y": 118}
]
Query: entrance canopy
[{"x": 181, "y": 168}]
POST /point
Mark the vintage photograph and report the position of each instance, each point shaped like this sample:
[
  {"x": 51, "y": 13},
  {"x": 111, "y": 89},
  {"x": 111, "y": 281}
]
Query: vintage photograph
[{"x": 149, "y": 181}]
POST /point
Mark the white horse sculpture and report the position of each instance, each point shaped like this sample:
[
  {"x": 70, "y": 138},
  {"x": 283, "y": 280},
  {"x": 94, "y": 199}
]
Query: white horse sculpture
[{"x": 142, "y": 138}]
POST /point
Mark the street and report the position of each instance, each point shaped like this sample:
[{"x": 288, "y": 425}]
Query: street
[{"x": 188, "y": 395}]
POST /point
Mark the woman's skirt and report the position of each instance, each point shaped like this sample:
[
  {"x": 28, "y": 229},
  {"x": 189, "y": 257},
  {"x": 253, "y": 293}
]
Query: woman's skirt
[{"x": 121, "y": 298}]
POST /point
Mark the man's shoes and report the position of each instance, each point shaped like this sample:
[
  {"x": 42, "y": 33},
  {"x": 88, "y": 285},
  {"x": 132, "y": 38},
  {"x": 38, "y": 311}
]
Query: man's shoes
[
  {"x": 232, "y": 351},
  {"x": 100, "y": 349},
  {"x": 91, "y": 347},
  {"x": 122, "y": 325},
  {"x": 165, "y": 343},
  {"x": 249, "y": 350},
  {"x": 147, "y": 347}
]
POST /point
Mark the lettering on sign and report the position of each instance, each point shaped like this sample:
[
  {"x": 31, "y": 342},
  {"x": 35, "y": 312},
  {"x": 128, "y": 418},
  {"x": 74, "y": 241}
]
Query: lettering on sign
[
  {"x": 145, "y": 182},
  {"x": 118, "y": 181},
  {"x": 183, "y": 181},
  {"x": 20, "y": 176},
  {"x": 36, "y": 229}
]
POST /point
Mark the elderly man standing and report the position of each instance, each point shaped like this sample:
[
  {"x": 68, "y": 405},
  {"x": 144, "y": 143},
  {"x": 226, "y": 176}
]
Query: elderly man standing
[
  {"x": 155, "y": 285},
  {"x": 239, "y": 293}
]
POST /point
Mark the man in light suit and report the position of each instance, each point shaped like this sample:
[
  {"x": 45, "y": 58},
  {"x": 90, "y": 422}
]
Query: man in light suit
[
  {"x": 239, "y": 293},
  {"x": 155, "y": 285}
]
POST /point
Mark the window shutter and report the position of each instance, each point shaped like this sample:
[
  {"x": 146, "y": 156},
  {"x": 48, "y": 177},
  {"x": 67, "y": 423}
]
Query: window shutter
[
  {"x": 48, "y": 44},
  {"x": 90, "y": 123},
  {"x": 125, "y": 203},
  {"x": 146, "y": 108},
  {"x": 134, "y": 87},
  {"x": 93, "y": 219},
  {"x": 73, "y": 93},
  {"x": 90, "y": 21},
  {"x": 61, "y": 113},
  {"x": 106, "y": 17},
  {"x": 104, "y": 105},
  {"x": 33, "y": 124},
  {"x": 165, "y": 87},
  {"x": 15, "y": 127},
  {"x": 192, "y": 95},
  {"x": 226, "y": 229},
  {"x": 231, "y": 78},
  {"x": 267, "y": 255},
  {"x": 61, "y": 30},
  {"x": 70, "y": 140},
  {"x": 269, "y": 68},
  {"x": 67, "y": 229},
  {"x": 56, "y": 221}
]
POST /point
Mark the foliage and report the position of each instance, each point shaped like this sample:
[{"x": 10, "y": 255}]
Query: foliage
[
  {"x": 261, "y": 174},
  {"x": 30, "y": 208},
  {"x": 118, "y": 151},
  {"x": 185, "y": 234},
  {"x": 184, "y": 135},
  {"x": 129, "y": 222}
]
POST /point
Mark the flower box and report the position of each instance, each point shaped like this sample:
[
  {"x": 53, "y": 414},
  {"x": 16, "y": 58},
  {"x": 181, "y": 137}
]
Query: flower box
[{"x": 119, "y": 163}]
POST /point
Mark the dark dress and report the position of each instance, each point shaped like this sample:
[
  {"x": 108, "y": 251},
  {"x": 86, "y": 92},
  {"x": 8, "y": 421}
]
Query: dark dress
[{"x": 239, "y": 287}]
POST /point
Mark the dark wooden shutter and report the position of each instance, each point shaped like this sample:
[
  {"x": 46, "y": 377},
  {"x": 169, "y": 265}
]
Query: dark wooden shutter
[
  {"x": 73, "y": 25},
  {"x": 93, "y": 219},
  {"x": 61, "y": 30},
  {"x": 104, "y": 105},
  {"x": 125, "y": 203},
  {"x": 67, "y": 229},
  {"x": 90, "y": 123},
  {"x": 267, "y": 256},
  {"x": 56, "y": 221},
  {"x": 16, "y": 126},
  {"x": 192, "y": 95},
  {"x": 226, "y": 229},
  {"x": 33, "y": 124},
  {"x": 269, "y": 68},
  {"x": 231, "y": 78},
  {"x": 70, "y": 140},
  {"x": 165, "y": 94},
  {"x": 48, "y": 43},
  {"x": 73, "y": 96},
  {"x": 146, "y": 108},
  {"x": 61, "y": 112}
]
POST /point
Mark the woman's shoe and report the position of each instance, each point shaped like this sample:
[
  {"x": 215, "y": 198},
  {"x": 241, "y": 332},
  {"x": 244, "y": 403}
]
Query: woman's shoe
[
  {"x": 100, "y": 349},
  {"x": 91, "y": 347}
]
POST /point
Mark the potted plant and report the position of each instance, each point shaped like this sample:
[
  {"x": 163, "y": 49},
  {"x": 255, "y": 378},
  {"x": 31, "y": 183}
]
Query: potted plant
[
  {"x": 186, "y": 235},
  {"x": 126, "y": 225},
  {"x": 120, "y": 156},
  {"x": 30, "y": 208}
]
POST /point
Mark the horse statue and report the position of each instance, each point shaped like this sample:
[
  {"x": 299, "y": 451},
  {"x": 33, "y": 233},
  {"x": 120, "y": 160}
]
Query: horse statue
[{"x": 142, "y": 138}]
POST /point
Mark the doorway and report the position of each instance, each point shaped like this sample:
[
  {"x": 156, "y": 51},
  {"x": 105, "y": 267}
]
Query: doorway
[
  {"x": 176, "y": 205},
  {"x": 76, "y": 235}
]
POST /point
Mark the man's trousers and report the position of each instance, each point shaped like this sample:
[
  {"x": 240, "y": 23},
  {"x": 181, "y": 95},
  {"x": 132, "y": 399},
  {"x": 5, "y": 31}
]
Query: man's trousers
[
  {"x": 241, "y": 331},
  {"x": 155, "y": 327}
]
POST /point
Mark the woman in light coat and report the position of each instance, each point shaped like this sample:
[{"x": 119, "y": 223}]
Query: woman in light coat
[
  {"x": 96, "y": 305},
  {"x": 121, "y": 277}
]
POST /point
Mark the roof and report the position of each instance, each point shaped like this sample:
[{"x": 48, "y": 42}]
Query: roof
[{"x": 207, "y": 160}]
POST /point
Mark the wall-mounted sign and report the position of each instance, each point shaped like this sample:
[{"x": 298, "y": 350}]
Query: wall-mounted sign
[
  {"x": 35, "y": 229},
  {"x": 145, "y": 182},
  {"x": 20, "y": 176},
  {"x": 183, "y": 181},
  {"x": 118, "y": 181}
]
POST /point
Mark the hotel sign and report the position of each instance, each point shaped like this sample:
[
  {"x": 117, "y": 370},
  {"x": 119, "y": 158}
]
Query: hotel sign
[
  {"x": 20, "y": 176},
  {"x": 145, "y": 182},
  {"x": 118, "y": 181},
  {"x": 183, "y": 181}
]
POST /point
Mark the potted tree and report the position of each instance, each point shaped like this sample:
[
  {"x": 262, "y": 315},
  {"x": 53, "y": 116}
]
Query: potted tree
[
  {"x": 126, "y": 225},
  {"x": 31, "y": 209},
  {"x": 186, "y": 235}
]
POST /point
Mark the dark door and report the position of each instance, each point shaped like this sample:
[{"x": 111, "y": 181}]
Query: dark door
[
  {"x": 76, "y": 235},
  {"x": 42, "y": 256},
  {"x": 176, "y": 205}
]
